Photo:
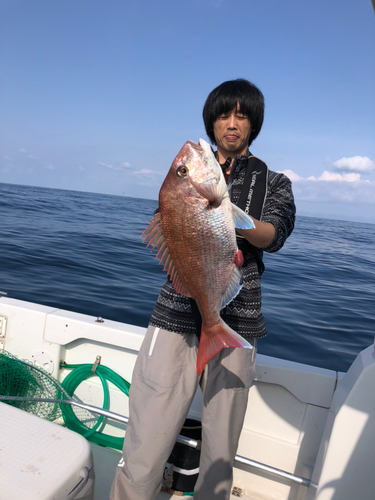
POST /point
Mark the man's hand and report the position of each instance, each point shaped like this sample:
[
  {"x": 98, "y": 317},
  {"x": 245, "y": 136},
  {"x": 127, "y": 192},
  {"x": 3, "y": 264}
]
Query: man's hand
[{"x": 261, "y": 236}]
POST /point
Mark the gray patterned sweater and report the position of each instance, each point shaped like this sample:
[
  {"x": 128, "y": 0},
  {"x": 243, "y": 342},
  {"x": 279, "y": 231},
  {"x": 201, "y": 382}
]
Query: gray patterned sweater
[{"x": 173, "y": 312}]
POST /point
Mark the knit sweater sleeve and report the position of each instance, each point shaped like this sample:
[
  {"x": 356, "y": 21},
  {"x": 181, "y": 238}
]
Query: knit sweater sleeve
[{"x": 279, "y": 209}]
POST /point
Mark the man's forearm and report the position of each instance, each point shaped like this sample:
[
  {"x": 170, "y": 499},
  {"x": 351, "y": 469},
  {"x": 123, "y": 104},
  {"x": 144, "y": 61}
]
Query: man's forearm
[{"x": 261, "y": 236}]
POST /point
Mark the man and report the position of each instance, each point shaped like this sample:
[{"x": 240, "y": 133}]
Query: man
[{"x": 165, "y": 378}]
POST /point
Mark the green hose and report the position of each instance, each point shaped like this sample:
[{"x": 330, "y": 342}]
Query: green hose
[{"x": 79, "y": 374}]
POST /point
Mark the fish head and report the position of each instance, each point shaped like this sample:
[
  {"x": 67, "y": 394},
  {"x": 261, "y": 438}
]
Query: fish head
[{"x": 195, "y": 173}]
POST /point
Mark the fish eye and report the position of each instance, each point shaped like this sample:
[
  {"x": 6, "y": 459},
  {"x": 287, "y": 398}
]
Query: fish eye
[{"x": 182, "y": 171}]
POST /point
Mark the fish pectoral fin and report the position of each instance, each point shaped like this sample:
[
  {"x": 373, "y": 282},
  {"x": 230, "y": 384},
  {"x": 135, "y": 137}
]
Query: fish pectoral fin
[
  {"x": 214, "y": 192},
  {"x": 241, "y": 219},
  {"x": 234, "y": 287}
]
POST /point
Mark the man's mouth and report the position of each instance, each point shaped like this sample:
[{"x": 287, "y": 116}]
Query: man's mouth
[{"x": 231, "y": 137}]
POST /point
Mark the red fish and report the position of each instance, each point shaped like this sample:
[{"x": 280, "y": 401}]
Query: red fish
[{"x": 194, "y": 232}]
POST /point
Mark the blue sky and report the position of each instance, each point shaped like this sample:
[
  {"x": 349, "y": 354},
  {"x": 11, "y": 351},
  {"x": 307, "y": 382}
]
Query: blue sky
[{"x": 100, "y": 96}]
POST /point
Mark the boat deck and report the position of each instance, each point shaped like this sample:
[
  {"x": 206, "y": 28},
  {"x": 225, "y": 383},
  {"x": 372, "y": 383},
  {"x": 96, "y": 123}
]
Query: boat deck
[
  {"x": 297, "y": 420},
  {"x": 108, "y": 460}
]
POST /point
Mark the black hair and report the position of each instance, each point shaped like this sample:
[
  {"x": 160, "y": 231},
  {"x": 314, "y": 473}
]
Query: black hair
[{"x": 225, "y": 97}]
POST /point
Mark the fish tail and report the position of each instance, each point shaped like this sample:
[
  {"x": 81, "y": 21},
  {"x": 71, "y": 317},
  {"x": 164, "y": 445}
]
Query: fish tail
[{"x": 214, "y": 339}]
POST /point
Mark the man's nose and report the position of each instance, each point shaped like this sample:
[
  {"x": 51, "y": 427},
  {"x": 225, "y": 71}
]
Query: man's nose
[{"x": 232, "y": 122}]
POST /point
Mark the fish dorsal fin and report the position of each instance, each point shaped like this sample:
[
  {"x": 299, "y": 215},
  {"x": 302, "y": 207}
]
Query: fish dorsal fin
[
  {"x": 241, "y": 219},
  {"x": 154, "y": 235},
  {"x": 179, "y": 286},
  {"x": 234, "y": 287},
  {"x": 153, "y": 230}
]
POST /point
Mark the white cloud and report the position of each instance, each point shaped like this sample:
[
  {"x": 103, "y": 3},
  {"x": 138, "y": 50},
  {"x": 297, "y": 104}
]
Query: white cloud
[
  {"x": 24, "y": 151},
  {"x": 145, "y": 171},
  {"x": 104, "y": 165},
  {"x": 50, "y": 167},
  {"x": 292, "y": 175},
  {"x": 332, "y": 187},
  {"x": 120, "y": 168},
  {"x": 360, "y": 164},
  {"x": 332, "y": 176},
  {"x": 7, "y": 158},
  {"x": 149, "y": 178}
]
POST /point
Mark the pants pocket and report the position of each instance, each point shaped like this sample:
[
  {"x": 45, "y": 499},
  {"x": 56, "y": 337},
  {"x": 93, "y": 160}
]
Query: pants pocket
[{"x": 162, "y": 357}]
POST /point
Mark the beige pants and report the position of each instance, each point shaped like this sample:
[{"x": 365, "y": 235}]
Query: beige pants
[{"x": 163, "y": 386}]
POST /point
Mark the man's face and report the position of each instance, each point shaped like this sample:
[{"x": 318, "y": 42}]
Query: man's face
[{"x": 232, "y": 132}]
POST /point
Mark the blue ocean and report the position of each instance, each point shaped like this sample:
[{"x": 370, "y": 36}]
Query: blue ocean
[{"x": 83, "y": 252}]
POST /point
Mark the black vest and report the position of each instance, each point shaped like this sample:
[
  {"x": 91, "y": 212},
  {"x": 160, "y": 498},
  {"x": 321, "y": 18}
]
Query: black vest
[
  {"x": 251, "y": 201},
  {"x": 254, "y": 189}
]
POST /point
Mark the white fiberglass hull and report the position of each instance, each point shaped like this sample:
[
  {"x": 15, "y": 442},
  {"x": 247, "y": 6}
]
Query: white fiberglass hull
[{"x": 296, "y": 419}]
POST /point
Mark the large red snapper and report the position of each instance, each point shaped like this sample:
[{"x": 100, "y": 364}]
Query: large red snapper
[{"x": 194, "y": 232}]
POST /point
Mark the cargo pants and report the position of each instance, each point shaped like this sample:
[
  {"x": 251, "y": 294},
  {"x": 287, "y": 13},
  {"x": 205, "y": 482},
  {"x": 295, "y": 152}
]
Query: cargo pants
[{"x": 163, "y": 386}]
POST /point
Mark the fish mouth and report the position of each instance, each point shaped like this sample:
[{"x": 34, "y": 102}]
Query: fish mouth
[{"x": 195, "y": 146}]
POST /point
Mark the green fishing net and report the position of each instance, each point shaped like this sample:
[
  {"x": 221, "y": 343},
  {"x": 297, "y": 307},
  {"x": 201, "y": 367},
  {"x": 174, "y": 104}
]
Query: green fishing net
[{"x": 21, "y": 378}]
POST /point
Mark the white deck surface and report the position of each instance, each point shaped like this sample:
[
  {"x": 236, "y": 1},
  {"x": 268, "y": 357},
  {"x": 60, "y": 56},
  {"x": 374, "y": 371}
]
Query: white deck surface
[{"x": 108, "y": 460}]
